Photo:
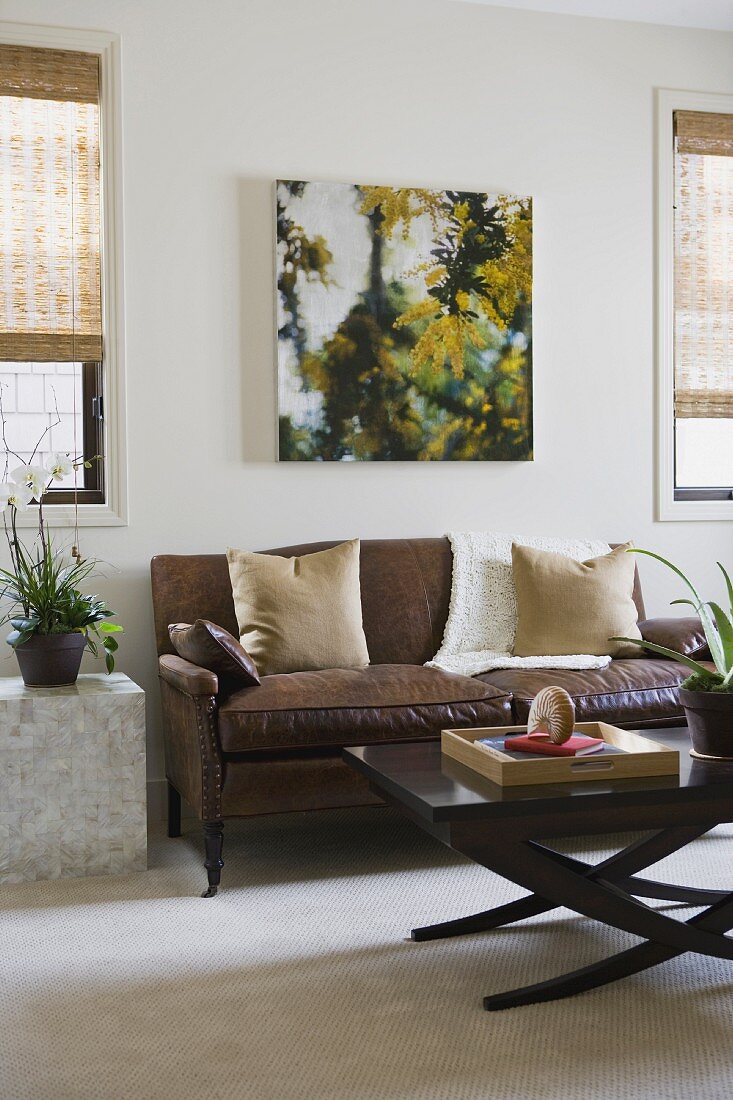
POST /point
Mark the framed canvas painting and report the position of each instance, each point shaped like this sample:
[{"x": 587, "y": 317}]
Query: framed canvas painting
[{"x": 404, "y": 324}]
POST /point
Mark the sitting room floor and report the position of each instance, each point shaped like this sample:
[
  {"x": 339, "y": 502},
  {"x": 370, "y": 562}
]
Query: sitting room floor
[{"x": 298, "y": 982}]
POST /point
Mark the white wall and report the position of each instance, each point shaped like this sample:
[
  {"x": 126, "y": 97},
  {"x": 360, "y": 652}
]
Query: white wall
[{"x": 219, "y": 99}]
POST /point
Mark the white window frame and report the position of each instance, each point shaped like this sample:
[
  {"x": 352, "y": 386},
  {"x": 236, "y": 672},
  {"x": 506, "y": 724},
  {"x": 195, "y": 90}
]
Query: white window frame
[
  {"x": 669, "y": 101},
  {"x": 113, "y": 513}
]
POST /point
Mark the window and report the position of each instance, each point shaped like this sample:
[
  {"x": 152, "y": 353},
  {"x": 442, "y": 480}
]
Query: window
[
  {"x": 696, "y": 306},
  {"x": 703, "y": 304},
  {"x": 60, "y": 291}
]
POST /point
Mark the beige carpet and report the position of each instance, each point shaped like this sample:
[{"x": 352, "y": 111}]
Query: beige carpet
[{"x": 298, "y": 981}]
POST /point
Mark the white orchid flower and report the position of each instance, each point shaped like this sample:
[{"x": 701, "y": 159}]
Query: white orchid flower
[
  {"x": 34, "y": 478},
  {"x": 17, "y": 496},
  {"x": 59, "y": 466}
]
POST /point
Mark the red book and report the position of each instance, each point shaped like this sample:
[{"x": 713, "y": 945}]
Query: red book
[{"x": 540, "y": 743}]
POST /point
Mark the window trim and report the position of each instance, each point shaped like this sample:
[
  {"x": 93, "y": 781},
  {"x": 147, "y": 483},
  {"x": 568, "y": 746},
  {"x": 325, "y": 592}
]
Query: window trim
[
  {"x": 692, "y": 504},
  {"x": 114, "y": 512}
]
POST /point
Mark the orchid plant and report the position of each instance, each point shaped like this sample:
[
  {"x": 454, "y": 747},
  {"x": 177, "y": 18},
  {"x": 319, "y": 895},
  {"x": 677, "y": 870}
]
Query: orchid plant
[{"x": 43, "y": 581}]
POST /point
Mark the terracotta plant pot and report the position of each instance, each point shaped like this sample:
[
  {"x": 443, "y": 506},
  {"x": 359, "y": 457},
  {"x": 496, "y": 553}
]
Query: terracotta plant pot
[
  {"x": 50, "y": 660},
  {"x": 710, "y": 721}
]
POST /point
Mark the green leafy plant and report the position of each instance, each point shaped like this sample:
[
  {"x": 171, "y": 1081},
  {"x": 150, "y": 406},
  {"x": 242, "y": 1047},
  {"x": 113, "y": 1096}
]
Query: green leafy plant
[
  {"x": 718, "y": 627},
  {"x": 43, "y": 589},
  {"x": 43, "y": 583}
]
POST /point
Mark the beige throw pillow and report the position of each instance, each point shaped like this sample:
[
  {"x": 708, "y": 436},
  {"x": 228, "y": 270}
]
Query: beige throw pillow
[
  {"x": 566, "y": 606},
  {"x": 300, "y": 614}
]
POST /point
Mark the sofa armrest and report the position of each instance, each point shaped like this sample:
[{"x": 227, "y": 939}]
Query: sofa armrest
[
  {"x": 683, "y": 635},
  {"x": 193, "y": 759},
  {"x": 186, "y": 677}
]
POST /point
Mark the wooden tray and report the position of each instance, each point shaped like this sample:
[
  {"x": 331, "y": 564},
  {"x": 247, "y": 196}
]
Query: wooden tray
[{"x": 641, "y": 757}]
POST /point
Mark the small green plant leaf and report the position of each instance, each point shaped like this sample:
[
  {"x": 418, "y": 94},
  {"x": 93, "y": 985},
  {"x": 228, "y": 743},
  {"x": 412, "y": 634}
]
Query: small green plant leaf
[
  {"x": 728, "y": 585},
  {"x": 664, "y": 561},
  {"x": 24, "y": 624},
  {"x": 109, "y": 662},
  {"x": 111, "y": 628},
  {"x": 671, "y": 653},
  {"x": 711, "y": 634},
  {"x": 725, "y": 630}
]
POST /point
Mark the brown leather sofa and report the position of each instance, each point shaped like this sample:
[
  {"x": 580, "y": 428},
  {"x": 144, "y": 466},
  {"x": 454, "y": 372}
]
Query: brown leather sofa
[{"x": 233, "y": 751}]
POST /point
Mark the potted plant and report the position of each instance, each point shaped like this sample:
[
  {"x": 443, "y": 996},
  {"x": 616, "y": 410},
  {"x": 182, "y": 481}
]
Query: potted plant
[
  {"x": 53, "y": 620},
  {"x": 706, "y": 694}
]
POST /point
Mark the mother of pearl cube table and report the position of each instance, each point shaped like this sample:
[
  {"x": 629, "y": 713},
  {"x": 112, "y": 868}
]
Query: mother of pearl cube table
[{"x": 72, "y": 779}]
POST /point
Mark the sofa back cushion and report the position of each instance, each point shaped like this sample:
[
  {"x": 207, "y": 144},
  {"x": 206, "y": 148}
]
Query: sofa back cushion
[
  {"x": 405, "y": 593},
  {"x": 566, "y": 606},
  {"x": 300, "y": 613}
]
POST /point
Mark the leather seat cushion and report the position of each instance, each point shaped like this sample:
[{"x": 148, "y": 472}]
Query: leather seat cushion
[
  {"x": 624, "y": 693},
  {"x": 341, "y": 706}
]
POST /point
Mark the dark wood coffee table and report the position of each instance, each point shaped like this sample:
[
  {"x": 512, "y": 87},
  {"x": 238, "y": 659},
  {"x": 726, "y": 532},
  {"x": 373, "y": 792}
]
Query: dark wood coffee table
[{"x": 502, "y": 828}]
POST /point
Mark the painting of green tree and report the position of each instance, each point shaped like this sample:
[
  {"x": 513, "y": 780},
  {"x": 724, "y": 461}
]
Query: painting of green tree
[{"x": 404, "y": 324}]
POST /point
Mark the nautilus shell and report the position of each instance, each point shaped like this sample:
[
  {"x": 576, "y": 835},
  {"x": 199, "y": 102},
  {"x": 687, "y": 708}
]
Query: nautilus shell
[{"x": 552, "y": 712}]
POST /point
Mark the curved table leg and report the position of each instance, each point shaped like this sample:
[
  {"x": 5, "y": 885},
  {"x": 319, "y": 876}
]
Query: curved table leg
[
  {"x": 635, "y": 857},
  {"x": 535, "y": 869},
  {"x": 597, "y": 974},
  {"x": 668, "y": 891},
  {"x": 632, "y": 884},
  {"x": 718, "y": 919},
  {"x": 483, "y": 922}
]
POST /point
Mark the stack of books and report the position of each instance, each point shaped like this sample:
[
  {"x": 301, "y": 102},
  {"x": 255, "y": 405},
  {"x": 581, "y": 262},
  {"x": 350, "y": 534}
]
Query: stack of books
[{"x": 540, "y": 744}]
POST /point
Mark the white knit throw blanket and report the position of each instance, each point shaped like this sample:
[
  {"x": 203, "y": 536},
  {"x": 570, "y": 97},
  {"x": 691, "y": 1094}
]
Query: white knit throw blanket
[{"x": 482, "y": 619}]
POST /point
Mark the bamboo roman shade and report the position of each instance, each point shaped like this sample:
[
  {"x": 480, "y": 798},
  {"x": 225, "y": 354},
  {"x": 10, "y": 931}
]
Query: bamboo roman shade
[
  {"x": 703, "y": 264},
  {"x": 704, "y": 133},
  {"x": 50, "y": 283}
]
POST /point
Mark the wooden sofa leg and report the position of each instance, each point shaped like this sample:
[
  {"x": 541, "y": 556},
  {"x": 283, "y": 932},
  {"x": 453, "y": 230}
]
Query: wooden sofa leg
[
  {"x": 174, "y": 811},
  {"x": 213, "y": 842}
]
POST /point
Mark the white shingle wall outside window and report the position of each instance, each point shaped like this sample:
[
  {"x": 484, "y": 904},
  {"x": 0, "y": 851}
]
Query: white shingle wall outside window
[{"x": 31, "y": 395}]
